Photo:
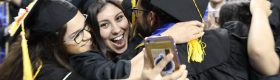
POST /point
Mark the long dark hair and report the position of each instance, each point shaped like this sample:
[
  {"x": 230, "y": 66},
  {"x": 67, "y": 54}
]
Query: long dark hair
[
  {"x": 235, "y": 11},
  {"x": 92, "y": 12},
  {"x": 50, "y": 49}
]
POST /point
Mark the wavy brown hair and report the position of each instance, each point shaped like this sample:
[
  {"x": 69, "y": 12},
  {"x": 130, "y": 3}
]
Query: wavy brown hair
[{"x": 50, "y": 48}]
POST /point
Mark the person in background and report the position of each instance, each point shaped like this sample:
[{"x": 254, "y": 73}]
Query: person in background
[
  {"x": 240, "y": 11},
  {"x": 212, "y": 16},
  {"x": 261, "y": 44}
]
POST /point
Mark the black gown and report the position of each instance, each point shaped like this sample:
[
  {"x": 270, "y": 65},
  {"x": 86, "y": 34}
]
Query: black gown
[
  {"x": 52, "y": 71},
  {"x": 94, "y": 66},
  {"x": 274, "y": 20},
  {"x": 226, "y": 55}
]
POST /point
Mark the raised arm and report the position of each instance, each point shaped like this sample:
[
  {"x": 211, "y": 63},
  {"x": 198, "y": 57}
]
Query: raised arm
[
  {"x": 261, "y": 44},
  {"x": 183, "y": 32}
]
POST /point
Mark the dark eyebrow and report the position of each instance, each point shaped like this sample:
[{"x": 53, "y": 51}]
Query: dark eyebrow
[
  {"x": 108, "y": 20},
  {"x": 120, "y": 13},
  {"x": 102, "y": 21}
]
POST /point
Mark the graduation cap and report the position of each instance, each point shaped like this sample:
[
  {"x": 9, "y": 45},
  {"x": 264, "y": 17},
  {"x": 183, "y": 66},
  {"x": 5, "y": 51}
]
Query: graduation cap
[
  {"x": 48, "y": 16},
  {"x": 186, "y": 10},
  {"x": 82, "y": 5},
  {"x": 182, "y": 10},
  {"x": 42, "y": 18}
]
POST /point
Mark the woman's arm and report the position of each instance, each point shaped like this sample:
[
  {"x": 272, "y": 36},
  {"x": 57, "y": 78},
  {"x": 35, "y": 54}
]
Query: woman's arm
[
  {"x": 261, "y": 44},
  {"x": 183, "y": 32}
]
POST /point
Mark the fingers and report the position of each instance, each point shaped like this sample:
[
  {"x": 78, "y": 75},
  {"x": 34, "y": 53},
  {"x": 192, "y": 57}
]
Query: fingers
[
  {"x": 179, "y": 74},
  {"x": 158, "y": 68},
  {"x": 147, "y": 61},
  {"x": 197, "y": 30},
  {"x": 195, "y": 23},
  {"x": 195, "y": 36},
  {"x": 184, "y": 76}
]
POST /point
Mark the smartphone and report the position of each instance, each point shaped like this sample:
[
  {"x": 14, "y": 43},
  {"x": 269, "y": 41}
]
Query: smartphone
[{"x": 158, "y": 47}]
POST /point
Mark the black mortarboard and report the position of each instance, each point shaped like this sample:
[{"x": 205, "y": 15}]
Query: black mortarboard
[
  {"x": 182, "y": 10},
  {"x": 127, "y": 5},
  {"x": 48, "y": 16},
  {"x": 82, "y": 4}
]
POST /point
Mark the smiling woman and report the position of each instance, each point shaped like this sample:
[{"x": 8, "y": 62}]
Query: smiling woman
[
  {"x": 110, "y": 33},
  {"x": 110, "y": 27},
  {"x": 113, "y": 27}
]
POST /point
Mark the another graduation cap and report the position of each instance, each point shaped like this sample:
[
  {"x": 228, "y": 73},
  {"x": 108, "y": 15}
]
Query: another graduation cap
[
  {"x": 48, "y": 16},
  {"x": 183, "y": 10},
  {"x": 82, "y": 5},
  {"x": 186, "y": 10}
]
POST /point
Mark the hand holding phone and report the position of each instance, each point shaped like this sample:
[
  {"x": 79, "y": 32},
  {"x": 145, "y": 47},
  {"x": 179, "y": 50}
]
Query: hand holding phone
[{"x": 157, "y": 48}]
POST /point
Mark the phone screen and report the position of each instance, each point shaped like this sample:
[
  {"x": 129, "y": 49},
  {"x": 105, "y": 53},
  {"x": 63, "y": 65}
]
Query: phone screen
[{"x": 158, "y": 55}]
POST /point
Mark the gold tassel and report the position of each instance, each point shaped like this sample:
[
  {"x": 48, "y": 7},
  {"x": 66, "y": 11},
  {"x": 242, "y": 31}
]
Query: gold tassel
[
  {"x": 196, "y": 47},
  {"x": 196, "y": 51},
  {"x": 27, "y": 67}
]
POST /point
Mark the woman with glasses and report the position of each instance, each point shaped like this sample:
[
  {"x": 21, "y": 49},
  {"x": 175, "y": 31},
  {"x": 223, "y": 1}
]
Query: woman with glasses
[{"x": 55, "y": 28}]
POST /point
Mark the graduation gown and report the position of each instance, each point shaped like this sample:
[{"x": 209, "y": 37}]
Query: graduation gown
[
  {"x": 93, "y": 66},
  {"x": 226, "y": 55},
  {"x": 52, "y": 71},
  {"x": 274, "y": 20}
]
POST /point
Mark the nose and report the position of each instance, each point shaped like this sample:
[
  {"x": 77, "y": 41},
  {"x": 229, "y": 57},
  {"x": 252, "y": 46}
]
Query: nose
[
  {"x": 87, "y": 36},
  {"x": 115, "y": 29}
]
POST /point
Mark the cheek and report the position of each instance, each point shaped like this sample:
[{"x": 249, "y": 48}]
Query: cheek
[
  {"x": 105, "y": 33},
  {"x": 124, "y": 25},
  {"x": 72, "y": 48}
]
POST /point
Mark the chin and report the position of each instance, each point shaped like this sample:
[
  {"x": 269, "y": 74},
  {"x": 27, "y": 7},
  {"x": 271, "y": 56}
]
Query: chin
[{"x": 120, "y": 51}]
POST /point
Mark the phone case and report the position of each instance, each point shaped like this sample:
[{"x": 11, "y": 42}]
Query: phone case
[{"x": 158, "y": 47}]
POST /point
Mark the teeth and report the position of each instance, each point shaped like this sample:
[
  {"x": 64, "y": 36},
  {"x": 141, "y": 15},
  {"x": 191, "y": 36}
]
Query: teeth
[{"x": 119, "y": 37}]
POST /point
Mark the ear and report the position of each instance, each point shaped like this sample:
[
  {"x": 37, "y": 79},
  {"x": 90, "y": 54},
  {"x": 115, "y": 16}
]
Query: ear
[{"x": 152, "y": 18}]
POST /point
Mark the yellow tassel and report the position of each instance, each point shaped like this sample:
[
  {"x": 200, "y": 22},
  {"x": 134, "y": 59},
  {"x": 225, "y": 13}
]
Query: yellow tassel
[
  {"x": 196, "y": 51},
  {"x": 39, "y": 69},
  {"x": 196, "y": 47},
  {"x": 27, "y": 67}
]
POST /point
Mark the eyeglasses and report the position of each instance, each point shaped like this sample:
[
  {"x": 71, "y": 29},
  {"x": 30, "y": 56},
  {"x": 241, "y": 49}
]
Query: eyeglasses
[
  {"x": 137, "y": 10},
  {"x": 78, "y": 38}
]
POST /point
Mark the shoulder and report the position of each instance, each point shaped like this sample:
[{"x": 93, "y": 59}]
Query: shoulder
[{"x": 55, "y": 72}]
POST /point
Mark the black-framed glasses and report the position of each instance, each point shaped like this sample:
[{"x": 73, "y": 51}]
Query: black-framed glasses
[
  {"x": 78, "y": 38},
  {"x": 137, "y": 10}
]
